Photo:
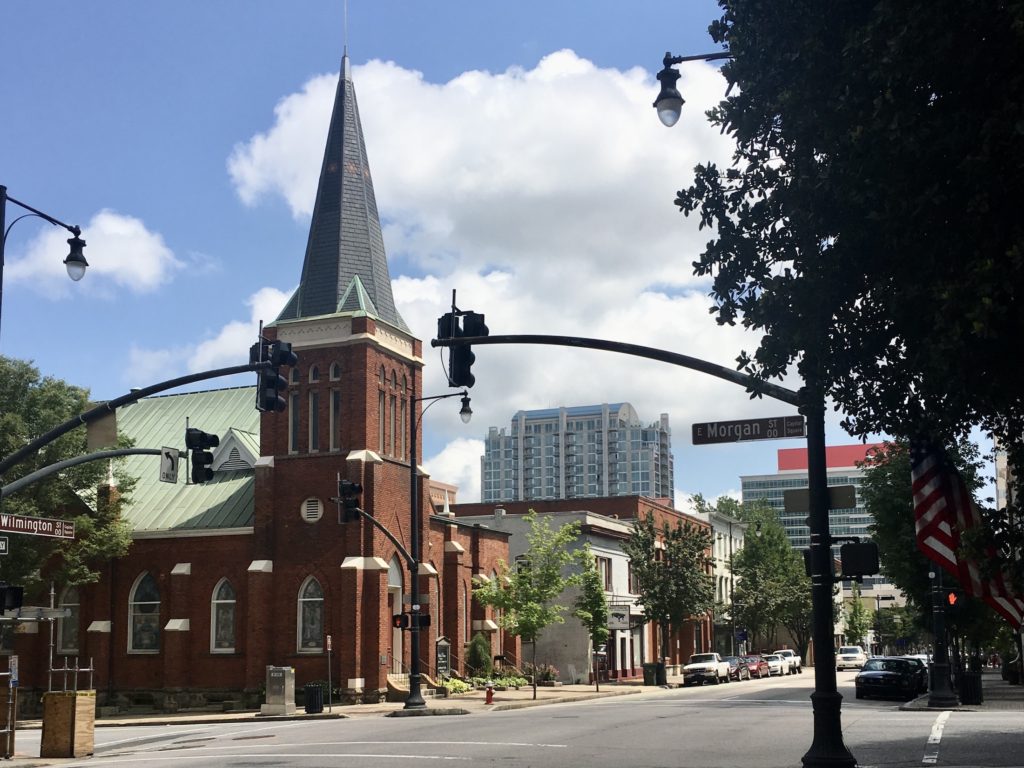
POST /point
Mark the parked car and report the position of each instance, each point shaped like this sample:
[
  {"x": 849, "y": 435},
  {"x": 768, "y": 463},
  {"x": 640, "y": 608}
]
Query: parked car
[
  {"x": 887, "y": 676},
  {"x": 756, "y": 666},
  {"x": 705, "y": 667},
  {"x": 850, "y": 657},
  {"x": 737, "y": 668},
  {"x": 776, "y": 664},
  {"x": 922, "y": 672},
  {"x": 793, "y": 662}
]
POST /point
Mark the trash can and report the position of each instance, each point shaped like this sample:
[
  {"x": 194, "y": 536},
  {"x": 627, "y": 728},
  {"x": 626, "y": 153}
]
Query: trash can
[
  {"x": 970, "y": 688},
  {"x": 650, "y": 673},
  {"x": 661, "y": 676},
  {"x": 313, "y": 694}
]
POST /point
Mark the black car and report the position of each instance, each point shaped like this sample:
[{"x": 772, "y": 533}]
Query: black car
[
  {"x": 922, "y": 673},
  {"x": 888, "y": 677},
  {"x": 738, "y": 669}
]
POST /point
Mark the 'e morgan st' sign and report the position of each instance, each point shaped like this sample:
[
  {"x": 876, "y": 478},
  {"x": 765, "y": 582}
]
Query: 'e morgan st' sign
[{"x": 775, "y": 428}]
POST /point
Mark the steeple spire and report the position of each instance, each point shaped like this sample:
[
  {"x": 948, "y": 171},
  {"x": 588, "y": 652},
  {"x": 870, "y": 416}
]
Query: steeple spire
[{"x": 345, "y": 243}]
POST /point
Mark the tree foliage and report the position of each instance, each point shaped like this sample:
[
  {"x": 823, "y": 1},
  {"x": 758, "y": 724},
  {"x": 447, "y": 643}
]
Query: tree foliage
[
  {"x": 670, "y": 565},
  {"x": 34, "y": 404},
  {"x": 771, "y": 587},
  {"x": 869, "y": 224},
  {"x": 526, "y": 594},
  {"x": 858, "y": 619}
]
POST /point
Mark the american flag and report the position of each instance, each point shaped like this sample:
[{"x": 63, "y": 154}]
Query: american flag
[{"x": 943, "y": 509}]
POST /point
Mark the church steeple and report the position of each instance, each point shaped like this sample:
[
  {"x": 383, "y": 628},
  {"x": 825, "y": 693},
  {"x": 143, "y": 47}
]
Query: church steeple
[{"x": 345, "y": 253}]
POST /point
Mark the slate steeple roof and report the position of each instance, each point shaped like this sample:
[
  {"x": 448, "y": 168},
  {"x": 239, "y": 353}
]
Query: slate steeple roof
[{"x": 345, "y": 268}]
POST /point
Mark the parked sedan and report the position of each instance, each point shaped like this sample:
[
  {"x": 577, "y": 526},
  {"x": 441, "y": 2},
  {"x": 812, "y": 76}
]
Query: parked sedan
[
  {"x": 737, "y": 668},
  {"x": 756, "y": 666},
  {"x": 921, "y": 668},
  {"x": 776, "y": 664},
  {"x": 887, "y": 677}
]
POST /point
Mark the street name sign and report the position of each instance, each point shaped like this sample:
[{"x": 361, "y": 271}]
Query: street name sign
[
  {"x": 37, "y": 526},
  {"x": 775, "y": 428}
]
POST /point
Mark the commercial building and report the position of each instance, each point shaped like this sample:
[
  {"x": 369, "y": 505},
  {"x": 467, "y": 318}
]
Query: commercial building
[
  {"x": 258, "y": 567},
  {"x": 841, "y": 466},
  {"x": 605, "y": 523},
  {"x": 579, "y": 452}
]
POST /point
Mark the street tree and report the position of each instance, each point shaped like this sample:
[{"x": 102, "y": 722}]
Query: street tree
[
  {"x": 90, "y": 495},
  {"x": 858, "y": 619},
  {"x": 671, "y": 564},
  {"x": 858, "y": 228},
  {"x": 772, "y": 589},
  {"x": 526, "y": 595},
  {"x": 591, "y": 605}
]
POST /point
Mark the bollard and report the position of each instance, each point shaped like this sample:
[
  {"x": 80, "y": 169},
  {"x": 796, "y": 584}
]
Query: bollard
[{"x": 490, "y": 692}]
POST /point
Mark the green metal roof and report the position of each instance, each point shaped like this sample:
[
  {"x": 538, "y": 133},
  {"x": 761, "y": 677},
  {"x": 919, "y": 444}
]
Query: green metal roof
[{"x": 157, "y": 422}]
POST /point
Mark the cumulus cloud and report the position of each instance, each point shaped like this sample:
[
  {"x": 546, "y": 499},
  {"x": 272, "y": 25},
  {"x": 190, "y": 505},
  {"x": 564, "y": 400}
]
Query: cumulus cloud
[
  {"x": 134, "y": 258},
  {"x": 459, "y": 463}
]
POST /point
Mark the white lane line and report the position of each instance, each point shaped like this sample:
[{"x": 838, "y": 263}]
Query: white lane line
[
  {"x": 269, "y": 756},
  {"x": 931, "y": 752}
]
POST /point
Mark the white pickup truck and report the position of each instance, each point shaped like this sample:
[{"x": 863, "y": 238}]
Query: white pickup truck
[
  {"x": 795, "y": 662},
  {"x": 706, "y": 667}
]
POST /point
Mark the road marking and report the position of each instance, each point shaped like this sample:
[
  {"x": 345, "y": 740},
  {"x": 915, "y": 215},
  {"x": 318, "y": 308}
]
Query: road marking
[
  {"x": 931, "y": 752},
  {"x": 268, "y": 756}
]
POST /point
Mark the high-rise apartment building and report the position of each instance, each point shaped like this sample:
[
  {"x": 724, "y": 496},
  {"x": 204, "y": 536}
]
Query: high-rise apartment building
[{"x": 579, "y": 452}]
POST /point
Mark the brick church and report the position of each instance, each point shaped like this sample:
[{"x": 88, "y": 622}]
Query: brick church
[{"x": 258, "y": 566}]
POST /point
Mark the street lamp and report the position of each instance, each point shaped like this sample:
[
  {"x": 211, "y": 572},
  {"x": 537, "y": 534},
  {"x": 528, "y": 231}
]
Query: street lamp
[
  {"x": 415, "y": 698},
  {"x": 75, "y": 261},
  {"x": 940, "y": 693},
  {"x": 827, "y": 747}
]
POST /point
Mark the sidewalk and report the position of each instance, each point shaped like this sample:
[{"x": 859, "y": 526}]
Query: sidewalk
[{"x": 997, "y": 695}]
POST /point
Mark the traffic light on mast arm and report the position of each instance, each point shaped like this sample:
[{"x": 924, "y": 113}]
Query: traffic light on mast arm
[
  {"x": 270, "y": 381},
  {"x": 200, "y": 459},
  {"x": 462, "y": 359}
]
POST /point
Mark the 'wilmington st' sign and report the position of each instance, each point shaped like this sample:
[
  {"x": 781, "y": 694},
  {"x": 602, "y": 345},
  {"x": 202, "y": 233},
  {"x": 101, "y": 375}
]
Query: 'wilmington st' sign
[{"x": 37, "y": 526}]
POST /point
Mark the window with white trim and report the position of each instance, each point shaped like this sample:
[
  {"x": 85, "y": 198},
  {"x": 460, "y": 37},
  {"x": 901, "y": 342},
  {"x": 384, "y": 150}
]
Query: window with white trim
[
  {"x": 311, "y": 617},
  {"x": 144, "y": 615},
  {"x": 222, "y": 618},
  {"x": 68, "y": 626}
]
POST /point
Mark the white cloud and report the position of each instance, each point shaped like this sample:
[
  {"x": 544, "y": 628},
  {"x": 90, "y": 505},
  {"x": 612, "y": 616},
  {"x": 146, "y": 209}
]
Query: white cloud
[
  {"x": 459, "y": 463},
  {"x": 128, "y": 256},
  {"x": 228, "y": 347}
]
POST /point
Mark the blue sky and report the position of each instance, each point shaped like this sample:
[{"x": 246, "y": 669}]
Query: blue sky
[{"x": 515, "y": 155}]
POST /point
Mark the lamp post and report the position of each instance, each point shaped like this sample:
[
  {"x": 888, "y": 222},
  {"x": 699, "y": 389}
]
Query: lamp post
[
  {"x": 415, "y": 698},
  {"x": 827, "y": 747},
  {"x": 941, "y": 694},
  {"x": 75, "y": 261}
]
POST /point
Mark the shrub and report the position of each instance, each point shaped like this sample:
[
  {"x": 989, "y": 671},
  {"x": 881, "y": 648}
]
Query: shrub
[
  {"x": 478, "y": 656},
  {"x": 541, "y": 672},
  {"x": 452, "y": 685}
]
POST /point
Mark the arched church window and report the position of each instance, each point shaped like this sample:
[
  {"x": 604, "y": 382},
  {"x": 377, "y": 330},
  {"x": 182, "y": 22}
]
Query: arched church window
[
  {"x": 314, "y": 374},
  {"x": 144, "y": 615},
  {"x": 222, "y": 618},
  {"x": 311, "y": 617},
  {"x": 335, "y": 419},
  {"x": 335, "y": 373}
]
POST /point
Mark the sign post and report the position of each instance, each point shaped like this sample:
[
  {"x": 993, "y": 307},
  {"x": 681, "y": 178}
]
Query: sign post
[{"x": 774, "y": 428}]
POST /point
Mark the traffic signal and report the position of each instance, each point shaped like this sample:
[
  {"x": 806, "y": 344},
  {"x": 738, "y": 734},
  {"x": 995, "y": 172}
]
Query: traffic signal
[
  {"x": 11, "y": 597},
  {"x": 951, "y": 598},
  {"x": 270, "y": 382},
  {"x": 461, "y": 374},
  {"x": 349, "y": 493},
  {"x": 400, "y": 621},
  {"x": 200, "y": 459}
]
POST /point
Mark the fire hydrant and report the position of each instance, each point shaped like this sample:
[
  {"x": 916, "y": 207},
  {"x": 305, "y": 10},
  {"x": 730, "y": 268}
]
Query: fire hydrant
[{"x": 489, "y": 687}]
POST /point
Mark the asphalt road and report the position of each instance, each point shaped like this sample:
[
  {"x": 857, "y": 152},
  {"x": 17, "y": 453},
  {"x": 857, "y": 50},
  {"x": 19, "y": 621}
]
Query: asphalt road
[{"x": 760, "y": 724}]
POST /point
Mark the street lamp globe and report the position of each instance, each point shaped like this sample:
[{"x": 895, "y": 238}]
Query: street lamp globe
[
  {"x": 75, "y": 262},
  {"x": 466, "y": 413},
  {"x": 669, "y": 102}
]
